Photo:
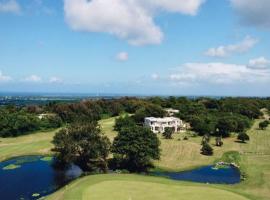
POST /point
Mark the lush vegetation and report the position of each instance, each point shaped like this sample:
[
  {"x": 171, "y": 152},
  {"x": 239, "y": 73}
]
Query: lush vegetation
[
  {"x": 19, "y": 121},
  {"x": 134, "y": 147},
  {"x": 84, "y": 145},
  {"x": 264, "y": 124},
  {"x": 221, "y": 122}
]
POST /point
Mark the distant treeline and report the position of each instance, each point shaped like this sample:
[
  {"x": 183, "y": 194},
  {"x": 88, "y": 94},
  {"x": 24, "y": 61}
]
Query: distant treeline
[{"x": 206, "y": 115}]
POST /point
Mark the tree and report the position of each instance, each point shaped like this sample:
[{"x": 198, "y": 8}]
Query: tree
[
  {"x": 122, "y": 122},
  {"x": 263, "y": 125},
  {"x": 168, "y": 133},
  {"x": 149, "y": 110},
  {"x": 243, "y": 137},
  {"x": 135, "y": 147},
  {"x": 206, "y": 139},
  {"x": 219, "y": 142},
  {"x": 226, "y": 125},
  {"x": 206, "y": 149},
  {"x": 82, "y": 144}
]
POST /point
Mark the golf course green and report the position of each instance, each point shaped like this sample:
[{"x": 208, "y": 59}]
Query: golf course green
[{"x": 135, "y": 187}]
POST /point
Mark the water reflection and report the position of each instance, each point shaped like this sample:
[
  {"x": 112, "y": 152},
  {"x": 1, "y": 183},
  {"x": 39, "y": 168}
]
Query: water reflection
[{"x": 33, "y": 177}]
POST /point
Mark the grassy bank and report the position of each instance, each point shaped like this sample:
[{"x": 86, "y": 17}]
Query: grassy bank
[
  {"x": 135, "y": 187},
  {"x": 35, "y": 144},
  {"x": 40, "y": 143}
]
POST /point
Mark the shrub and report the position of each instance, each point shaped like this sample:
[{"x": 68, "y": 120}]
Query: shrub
[
  {"x": 168, "y": 133},
  {"x": 206, "y": 149},
  {"x": 243, "y": 137}
]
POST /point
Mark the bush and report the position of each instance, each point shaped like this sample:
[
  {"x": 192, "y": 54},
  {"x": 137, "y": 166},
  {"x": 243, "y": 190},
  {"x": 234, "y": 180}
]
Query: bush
[
  {"x": 168, "y": 133},
  {"x": 263, "y": 125},
  {"x": 243, "y": 137},
  {"x": 206, "y": 149},
  {"x": 219, "y": 142}
]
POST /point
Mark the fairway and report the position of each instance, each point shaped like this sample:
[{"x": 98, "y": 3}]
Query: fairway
[
  {"x": 33, "y": 144},
  {"x": 135, "y": 187}
]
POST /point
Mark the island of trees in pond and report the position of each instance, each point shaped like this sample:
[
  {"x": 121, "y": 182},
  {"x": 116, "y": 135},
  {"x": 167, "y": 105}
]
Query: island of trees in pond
[{"x": 82, "y": 141}]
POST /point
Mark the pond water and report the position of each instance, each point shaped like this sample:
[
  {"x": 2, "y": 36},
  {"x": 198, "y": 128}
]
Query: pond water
[
  {"x": 31, "y": 177},
  {"x": 208, "y": 174}
]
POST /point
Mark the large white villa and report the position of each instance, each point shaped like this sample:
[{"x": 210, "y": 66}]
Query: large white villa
[{"x": 158, "y": 125}]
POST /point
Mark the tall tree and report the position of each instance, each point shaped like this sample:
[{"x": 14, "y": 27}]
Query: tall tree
[
  {"x": 135, "y": 147},
  {"x": 84, "y": 145}
]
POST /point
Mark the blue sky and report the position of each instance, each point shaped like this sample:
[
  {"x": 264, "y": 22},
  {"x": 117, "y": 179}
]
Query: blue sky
[{"x": 177, "y": 47}]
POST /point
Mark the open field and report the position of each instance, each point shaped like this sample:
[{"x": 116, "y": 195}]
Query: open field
[
  {"x": 107, "y": 127},
  {"x": 135, "y": 187},
  {"x": 40, "y": 143},
  {"x": 33, "y": 144}
]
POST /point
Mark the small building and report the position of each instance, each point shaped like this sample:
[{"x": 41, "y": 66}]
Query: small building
[
  {"x": 158, "y": 125},
  {"x": 171, "y": 112}
]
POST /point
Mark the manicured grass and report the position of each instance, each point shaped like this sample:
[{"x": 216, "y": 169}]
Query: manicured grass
[
  {"x": 107, "y": 127},
  {"x": 40, "y": 143},
  {"x": 34, "y": 144},
  {"x": 135, "y": 187}
]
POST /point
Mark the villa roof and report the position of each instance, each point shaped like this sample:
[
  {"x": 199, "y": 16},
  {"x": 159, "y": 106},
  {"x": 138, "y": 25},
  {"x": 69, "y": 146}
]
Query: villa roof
[{"x": 165, "y": 119}]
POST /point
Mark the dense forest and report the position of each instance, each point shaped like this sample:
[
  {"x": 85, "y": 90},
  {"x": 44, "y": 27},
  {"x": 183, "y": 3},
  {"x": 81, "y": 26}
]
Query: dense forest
[{"x": 205, "y": 115}]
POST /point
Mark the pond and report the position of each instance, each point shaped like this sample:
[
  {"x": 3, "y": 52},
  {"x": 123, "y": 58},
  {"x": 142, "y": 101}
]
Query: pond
[
  {"x": 31, "y": 177},
  {"x": 208, "y": 174}
]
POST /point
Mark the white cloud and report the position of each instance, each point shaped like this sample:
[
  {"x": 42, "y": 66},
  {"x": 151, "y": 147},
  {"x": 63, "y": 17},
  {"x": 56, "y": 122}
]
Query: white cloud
[
  {"x": 253, "y": 12},
  {"x": 4, "y": 78},
  {"x": 55, "y": 79},
  {"x": 218, "y": 73},
  {"x": 131, "y": 20},
  {"x": 10, "y": 6},
  {"x": 33, "y": 78},
  {"x": 259, "y": 63},
  {"x": 241, "y": 47},
  {"x": 155, "y": 76},
  {"x": 122, "y": 56}
]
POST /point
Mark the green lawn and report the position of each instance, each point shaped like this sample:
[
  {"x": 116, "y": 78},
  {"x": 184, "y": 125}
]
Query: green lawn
[
  {"x": 33, "y": 144},
  {"x": 135, "y": 187},
  {"x": 40, "y": 143}
]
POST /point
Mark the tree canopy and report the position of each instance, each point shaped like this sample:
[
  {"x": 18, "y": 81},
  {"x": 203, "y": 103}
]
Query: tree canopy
[
  {"x": 84, "y": 145},
  {"x": 135, "y": 147}
]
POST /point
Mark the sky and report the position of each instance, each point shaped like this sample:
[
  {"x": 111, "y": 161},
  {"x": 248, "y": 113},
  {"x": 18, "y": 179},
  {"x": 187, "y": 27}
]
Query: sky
[{"x": 142, "y": 47}]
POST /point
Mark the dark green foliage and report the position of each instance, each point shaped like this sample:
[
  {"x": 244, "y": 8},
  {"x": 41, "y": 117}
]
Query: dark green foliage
[
  {"x": 219, "y": 142},
  {"x": 225, "y": 125},
  {"x": 168, "y": 132},
  {"x": 149, "y": 110},
  {"x": 206, "y": 139},
  {"x": 17, "y": 121},
  {"x": 264, "y": 124},
  {"x": 51, "y": 121},
  {"x": 122, "y": 122},
  {"x": 243, "y": 137},
  {"x": 206, "y": 149},
  {"x": 84, "y": 145},
  {"x": 134, "y": 148}
]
